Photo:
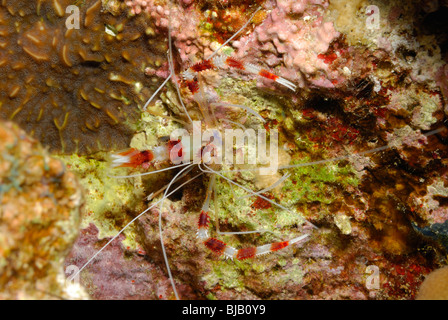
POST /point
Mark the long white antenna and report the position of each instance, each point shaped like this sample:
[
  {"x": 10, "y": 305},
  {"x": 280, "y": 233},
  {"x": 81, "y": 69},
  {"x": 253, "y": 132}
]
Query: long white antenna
[
  {"x": 210, "y": 170},
  {"x": 235, "y": 34},
  {"x": 147, "y": 173},
  {"x": 171, "y": 64},
  {"x": 156, "y": 92},
  {"x": 165, "y": 257},
  {"x": 125, "y": 227}
]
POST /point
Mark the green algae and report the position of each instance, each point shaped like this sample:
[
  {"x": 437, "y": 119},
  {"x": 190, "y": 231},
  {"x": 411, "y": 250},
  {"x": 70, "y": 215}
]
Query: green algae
[
  {"x": 225, "y": 274},
  {"x": 237, "y": 213},
  {"x": 243, "y": 92},
  {"x": 317, "y": 183},
  {"x": 107, "y": 199},
  {"x": 258, "y": 266},
  {"x": 211, "y": 296},
  {"x": 294, "y": 273}
]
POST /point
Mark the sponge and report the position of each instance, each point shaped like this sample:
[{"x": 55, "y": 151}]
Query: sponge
[{"x": 435, "y": 286}]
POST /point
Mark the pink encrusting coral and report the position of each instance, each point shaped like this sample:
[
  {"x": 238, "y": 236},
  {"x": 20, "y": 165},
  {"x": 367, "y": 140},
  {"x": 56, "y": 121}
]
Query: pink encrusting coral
[
  {"x": 294, "y": 47},
  {"x": 137, "y": 5},
  {"x": 185, "y": 25},
  {"x": 130, "y": 279}
]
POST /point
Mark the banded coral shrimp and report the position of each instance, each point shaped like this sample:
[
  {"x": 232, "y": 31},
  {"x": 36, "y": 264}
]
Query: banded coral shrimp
[
  {"x": 123, "y": 158},
  {"x": 135, "y": 159}
]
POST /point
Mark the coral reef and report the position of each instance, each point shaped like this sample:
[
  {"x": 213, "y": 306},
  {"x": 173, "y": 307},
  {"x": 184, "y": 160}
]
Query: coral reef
[
  {"x": 360, "y": 92},
  {"x": 296, "y": 46},
  {"x": 40, "y": 203},
  {"x": 365, "y": 136}
]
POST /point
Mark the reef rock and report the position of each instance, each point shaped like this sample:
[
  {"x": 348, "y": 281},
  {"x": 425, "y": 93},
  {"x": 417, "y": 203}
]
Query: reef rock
[
  {"x": 40, "y": 203},
  {"x": 363, "y": 141}
]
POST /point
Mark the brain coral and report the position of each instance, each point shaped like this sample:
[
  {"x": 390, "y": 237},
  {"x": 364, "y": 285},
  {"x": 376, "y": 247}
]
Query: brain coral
[{"x": 73, "y": 89}]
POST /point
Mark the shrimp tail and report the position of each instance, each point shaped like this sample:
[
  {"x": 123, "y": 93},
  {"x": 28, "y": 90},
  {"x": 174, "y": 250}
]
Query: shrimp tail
[{"x": 131, "y": 158}]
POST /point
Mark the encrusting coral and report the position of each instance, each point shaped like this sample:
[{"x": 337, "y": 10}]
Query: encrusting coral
[{"x": 40, "y": 212}]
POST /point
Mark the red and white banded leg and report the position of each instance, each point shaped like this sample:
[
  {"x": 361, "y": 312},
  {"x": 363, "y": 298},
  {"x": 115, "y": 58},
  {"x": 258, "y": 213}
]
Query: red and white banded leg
[
  {"x": 221, "y": 248},
  {"x": 219, "y": 62},
  {"x": 131, "y": 158},
  {"x": 252, "y": 68}
]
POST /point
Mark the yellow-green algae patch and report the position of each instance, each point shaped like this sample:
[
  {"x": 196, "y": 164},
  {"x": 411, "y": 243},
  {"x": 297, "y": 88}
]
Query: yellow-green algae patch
[
  {"x": 343, "y": 223},
  {"x": 294, "y": 274},
  {"x": 224, "y": 274},
  {"x": 317, "y": 182},
  {"x": 152, "y": 125},
  {"x": 108, "y": 199},
  {"x": 246, "y": 93},
  {"x": 237, "y": 213}
]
